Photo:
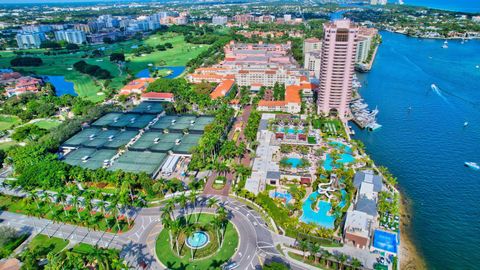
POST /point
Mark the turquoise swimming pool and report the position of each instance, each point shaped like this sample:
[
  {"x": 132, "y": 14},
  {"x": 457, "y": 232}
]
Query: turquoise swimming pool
[
  {"x": 341, "y": 146},
  {"x": 295, "y": 162},
  {"x": 281, "y": 195},
  {"x": 290, "y": 131},
  {"x": 344, "y": 158},
  {"x": 322, "y": 217}
]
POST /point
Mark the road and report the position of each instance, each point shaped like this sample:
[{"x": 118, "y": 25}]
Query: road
[{"x": 138, "y": 244}]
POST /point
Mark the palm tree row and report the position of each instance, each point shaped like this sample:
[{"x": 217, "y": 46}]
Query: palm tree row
[{"x": 327, "y": 258}]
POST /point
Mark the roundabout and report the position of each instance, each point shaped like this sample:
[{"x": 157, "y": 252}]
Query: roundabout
[{"x": 197, "y": 241}]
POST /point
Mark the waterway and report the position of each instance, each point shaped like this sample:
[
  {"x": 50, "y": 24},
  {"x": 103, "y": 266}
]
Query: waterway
[
  {"x": 62, "y": 87},
  {"x": 452, "y": 5},
  {"x": 176, "y": 71},
  {"x": 426, "y": 146}
]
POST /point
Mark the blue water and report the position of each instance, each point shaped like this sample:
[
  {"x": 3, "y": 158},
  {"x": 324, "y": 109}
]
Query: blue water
[
  {"x": 295, "y": 162},
  {"x": 197, "y": 240},
  {"x": 322, "y": 217},
  {"x": 426, "y": 147},
  {"x": 345, "y": 158},
  {"x": 291, "y": 131},
  {"x": 341, "y": 146},
  {"x": 62, "y": 87},
  {"x": 343, "y": 202},
  {"x": 453, "y": 5},
  {"x": 176, "y": 71},
  {"x": 282, "y": 195}
]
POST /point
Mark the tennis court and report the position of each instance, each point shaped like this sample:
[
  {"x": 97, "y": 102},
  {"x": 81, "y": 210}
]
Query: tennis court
[
  {"x": 385, "y": 241},
  {"x": 124, "y": 120},
  {"x": 189, "y": 141},
  {"x": 148, "y": 107},
  {"x": 89, "y": 158},
  {"x": 133, "y": 161},
  {"x": 200, "y": 124}
]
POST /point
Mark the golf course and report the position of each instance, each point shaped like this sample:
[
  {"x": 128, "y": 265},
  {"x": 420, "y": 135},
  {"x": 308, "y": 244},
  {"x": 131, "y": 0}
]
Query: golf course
[{"x": 91, "y": 88}]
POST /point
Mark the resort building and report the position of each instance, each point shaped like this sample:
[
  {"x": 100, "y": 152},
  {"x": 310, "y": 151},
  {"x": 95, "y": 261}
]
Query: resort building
[
  {"x": 291, "y": 104},
  {"x": 159, "y": 97},
  {"x": 362, "y": 216},
  {"x": 254, "y": 65},
  {"x": 263, "y": 165},
  {"x": 21, "y": 85},
  {"x": 357, "y": 229},
  {"x": 137, "y": 86},
  {"x": 222, "y": 89},
  {"x": 30, "y": 40},
  {"x": 337, "y": 67}
]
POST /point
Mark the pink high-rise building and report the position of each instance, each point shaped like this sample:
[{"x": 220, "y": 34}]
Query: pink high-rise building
[{"x": 337, "y": 67}]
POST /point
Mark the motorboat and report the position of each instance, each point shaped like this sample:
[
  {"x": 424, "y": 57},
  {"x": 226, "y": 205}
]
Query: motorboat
[
  {"x": 445, "y": 44},
  {"x": 472, "y": 165},
  {"x": 465, "y": 124}
]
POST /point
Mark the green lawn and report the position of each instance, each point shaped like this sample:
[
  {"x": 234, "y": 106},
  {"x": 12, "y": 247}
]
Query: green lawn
[
  {"x": 85, "y": 85},
  {"x": 6, "y": 145},
  {"x": 7, "y": 121},
  {"x": 179, "y": 55},
  {"x": 168, "y": 257},
  {"x": 83, "y": 248},
  {"x": 48, "y": 124},
  {"x": 42, "y": 240}
]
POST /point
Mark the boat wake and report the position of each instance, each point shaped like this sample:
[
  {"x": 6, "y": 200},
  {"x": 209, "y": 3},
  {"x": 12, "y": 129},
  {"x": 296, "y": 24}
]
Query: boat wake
[{"x": 437, "y": 91}]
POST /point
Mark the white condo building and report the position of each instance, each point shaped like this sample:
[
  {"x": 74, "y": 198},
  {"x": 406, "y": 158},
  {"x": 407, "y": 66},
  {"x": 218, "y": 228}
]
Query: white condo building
[
  {"x": 71, "y": 36},
  {"x": 30, "y": 40},
  {"x": 219, "y": 20}
]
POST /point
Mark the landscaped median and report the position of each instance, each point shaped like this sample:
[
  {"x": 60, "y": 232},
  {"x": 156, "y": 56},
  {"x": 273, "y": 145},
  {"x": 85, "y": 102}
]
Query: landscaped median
[
  {"x": 104, "y": 221},
  {"x": 212, "y": 251}
]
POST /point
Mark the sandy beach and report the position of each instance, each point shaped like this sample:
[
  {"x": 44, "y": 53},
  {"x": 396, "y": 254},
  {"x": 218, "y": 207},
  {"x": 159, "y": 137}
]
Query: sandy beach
[{"x": 409, "y": 256}]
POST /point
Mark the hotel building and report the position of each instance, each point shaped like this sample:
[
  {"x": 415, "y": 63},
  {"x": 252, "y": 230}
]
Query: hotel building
[{"x": 337, "y": 67}]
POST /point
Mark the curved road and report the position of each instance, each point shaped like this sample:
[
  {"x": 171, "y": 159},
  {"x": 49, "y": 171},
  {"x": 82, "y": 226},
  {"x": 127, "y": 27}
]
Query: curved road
[{"x": 138, "y": 244}]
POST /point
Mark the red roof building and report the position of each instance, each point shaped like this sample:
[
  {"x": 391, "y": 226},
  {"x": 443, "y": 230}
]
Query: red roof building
[{"x": 154, "y": 96}]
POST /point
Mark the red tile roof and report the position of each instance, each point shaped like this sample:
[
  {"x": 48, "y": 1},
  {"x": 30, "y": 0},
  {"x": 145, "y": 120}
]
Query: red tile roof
[{"x": 222, "y": 89}]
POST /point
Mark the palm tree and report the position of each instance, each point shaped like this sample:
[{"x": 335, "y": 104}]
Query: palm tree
[
  {"x": 342, "y": 258},
  {"x": 176, "y": 227},
  {"x": 223, "y": 217},
  {"x": 101, "y": 205},
  {"x": 169, "y": 207},
  {"x": 356, "y": 264},
  {"x": 167, "y": 224},
  {"x": 75, "y": 201},
  {"x": 212, "y": 202},
  {"x": 314, "y": 250},
  {"x": 33, "y": 196},
  {"x": 192, "y": 198},
  {"x": 303, "y": 245},
  {"x": 182, "y": 200},
  {"x": 217, "y": 223},
  {"x": 189, "y": 230}
]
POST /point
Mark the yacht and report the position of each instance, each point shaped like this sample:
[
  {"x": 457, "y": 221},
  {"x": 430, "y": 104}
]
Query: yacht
[
  {"x": 465, "y": 124},
  {"x": 445, "y": 44},
  {"x": 472, "y": 165}
]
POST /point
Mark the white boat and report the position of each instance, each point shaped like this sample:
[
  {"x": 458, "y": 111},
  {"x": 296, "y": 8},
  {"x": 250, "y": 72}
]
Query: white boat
[
  {"x": 472, "y": 165},
  {"x": 445, "y": 44},
  {"x": 465, "y": 124}
]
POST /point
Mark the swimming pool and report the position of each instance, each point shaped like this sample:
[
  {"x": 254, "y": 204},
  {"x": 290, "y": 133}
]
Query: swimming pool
[
  {"x": 322, "y": 217},
  {"x": 344, "y": 158},
  {"x": 295, "y": 162},
  {"x": 344, "y": 197},
  {"x": 385, "y": 241},
  {"x": 341, "y": 146},
  {"x": 281, "y": 195},
  {"x": 291, "y": 130}
]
